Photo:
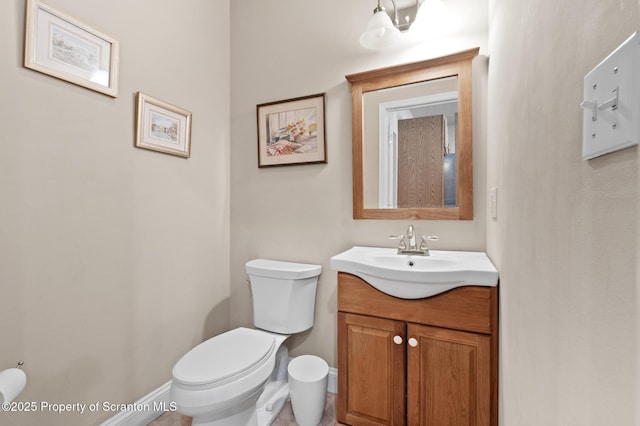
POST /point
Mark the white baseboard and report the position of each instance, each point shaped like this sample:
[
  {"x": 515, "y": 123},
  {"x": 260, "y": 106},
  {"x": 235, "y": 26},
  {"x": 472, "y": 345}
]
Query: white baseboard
[
  {"x": 332, "y": 385},
  {"x": 152, "y": 405},
  {"x": 145, "y": 410}
]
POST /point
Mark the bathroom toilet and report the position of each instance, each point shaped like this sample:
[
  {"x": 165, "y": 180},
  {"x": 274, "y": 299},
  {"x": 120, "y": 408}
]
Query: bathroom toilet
[{"x": 239, "y": 377}]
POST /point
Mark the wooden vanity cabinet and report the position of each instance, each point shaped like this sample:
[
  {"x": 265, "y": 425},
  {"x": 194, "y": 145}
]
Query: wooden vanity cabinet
[{"x": 430, "y": 361}]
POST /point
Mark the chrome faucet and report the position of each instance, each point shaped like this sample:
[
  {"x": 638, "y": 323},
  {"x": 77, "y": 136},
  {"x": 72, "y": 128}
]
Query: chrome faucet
[
  {"x": 412, "y": 238},
  {"x": 412, "y": 248}
]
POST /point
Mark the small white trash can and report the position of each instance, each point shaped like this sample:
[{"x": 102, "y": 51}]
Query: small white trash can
[{"x": 308, "y": 375}]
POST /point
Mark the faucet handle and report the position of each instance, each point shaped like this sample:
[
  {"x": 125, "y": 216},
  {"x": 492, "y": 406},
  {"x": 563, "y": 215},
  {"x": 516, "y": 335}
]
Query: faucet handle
[
  {"x": 423, "y": 242},
  {"x": 401, "y": 245}
]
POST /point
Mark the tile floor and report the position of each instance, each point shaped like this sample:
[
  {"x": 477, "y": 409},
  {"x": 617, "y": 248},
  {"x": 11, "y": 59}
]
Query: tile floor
[{"x": 284, "y": 419}]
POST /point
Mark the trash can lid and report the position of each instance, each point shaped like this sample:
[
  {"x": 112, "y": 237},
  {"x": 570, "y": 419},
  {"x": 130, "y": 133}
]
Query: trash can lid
[{"x": 308, "y": 368}]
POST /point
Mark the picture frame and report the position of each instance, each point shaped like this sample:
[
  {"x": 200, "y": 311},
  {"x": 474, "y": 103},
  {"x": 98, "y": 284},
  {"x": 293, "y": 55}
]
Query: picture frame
[
  {"x": 162, "y": 127},
  {"x": 61, "y": 46},
  {"x": 292, "y": 131}
]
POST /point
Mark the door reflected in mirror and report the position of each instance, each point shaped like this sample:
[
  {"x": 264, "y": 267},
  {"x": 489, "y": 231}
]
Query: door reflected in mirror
[{"x": 409, "y": 145}]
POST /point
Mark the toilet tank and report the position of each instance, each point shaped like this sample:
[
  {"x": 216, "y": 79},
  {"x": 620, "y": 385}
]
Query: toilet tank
[{"x": 284, "y": 294}]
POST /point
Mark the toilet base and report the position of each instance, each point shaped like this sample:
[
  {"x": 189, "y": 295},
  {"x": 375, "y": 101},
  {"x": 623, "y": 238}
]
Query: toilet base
[
  {"x": 261, "y": 414},
  {"x": 247, "y": 417},
  {"x": 268, "y": 410},
  {"x": 259, "y": 409}
]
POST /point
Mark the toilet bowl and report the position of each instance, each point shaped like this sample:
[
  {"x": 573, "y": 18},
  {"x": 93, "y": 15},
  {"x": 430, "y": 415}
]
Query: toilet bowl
[
  {"x": 239, "y": 377},
  {"x": 223, "y": 377}
]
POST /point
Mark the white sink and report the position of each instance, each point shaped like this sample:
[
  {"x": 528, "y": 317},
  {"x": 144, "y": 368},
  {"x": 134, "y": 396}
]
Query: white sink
[{"x": 416, "y": 277}]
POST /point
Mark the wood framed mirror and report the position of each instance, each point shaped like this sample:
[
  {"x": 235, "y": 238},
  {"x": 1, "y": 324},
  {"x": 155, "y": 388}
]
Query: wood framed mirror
[{"x": 412, "y": 140}]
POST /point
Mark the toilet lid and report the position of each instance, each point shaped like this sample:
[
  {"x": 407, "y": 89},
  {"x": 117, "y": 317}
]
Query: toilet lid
[{"x": 224, "y": 356}]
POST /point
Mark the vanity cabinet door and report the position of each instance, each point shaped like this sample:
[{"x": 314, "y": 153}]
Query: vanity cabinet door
[
  {"x": 448, "y": 377},
  {"x": 371, "y": 362}
]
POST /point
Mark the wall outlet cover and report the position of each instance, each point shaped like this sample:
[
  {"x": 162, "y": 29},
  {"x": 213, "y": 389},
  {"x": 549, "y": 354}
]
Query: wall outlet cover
[{"x": 493, "y": 203}]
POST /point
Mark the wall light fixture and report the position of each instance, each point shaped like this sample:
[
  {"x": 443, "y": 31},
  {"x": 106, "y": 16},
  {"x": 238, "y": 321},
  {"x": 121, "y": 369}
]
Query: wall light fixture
[
  {"x": 380, "y": 33},
  {"x": 421, "y": 19}
]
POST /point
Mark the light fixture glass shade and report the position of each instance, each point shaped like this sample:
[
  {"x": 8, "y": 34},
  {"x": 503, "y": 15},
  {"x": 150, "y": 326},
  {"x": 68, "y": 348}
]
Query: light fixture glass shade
[
  {"x": 380, "y": 32},
  {"x": 433, "y": 20}
]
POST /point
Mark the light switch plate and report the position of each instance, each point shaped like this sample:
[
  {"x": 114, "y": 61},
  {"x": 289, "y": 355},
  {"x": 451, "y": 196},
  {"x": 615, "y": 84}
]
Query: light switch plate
[{"x": 611, "y": 106}]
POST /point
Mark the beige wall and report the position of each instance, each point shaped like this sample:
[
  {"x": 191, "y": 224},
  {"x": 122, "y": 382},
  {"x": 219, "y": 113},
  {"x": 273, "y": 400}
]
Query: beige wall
[
  {"x": 304, "y": 213},
  {"x": 566, "y": 238},
  {"x": 113, "y": 260}
]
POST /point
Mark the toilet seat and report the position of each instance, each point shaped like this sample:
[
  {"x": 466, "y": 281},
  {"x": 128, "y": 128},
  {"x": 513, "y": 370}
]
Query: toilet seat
[{"x": 224, "y": 358}]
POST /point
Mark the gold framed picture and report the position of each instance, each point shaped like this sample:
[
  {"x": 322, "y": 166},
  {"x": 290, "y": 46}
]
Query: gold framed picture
[{"x": 162, "y": 127}]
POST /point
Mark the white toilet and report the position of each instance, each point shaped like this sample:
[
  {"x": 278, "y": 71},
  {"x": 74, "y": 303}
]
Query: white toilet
[{"x": 239, "y": 377}]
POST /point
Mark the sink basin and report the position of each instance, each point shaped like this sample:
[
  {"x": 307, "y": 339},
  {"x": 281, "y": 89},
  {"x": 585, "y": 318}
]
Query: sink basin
[{"x": 416, "y": 277}]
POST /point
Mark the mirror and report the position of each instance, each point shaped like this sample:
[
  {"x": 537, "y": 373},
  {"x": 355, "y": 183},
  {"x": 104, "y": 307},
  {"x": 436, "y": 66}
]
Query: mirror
[
  {"x": 409, "y": 159},
  {"x": 412, "y": 140}
]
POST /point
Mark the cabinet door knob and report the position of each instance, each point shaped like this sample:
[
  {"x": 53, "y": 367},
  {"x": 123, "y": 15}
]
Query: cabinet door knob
[
  {"x": 397, "y": 340},
  {"x": 413, "y": 342}
]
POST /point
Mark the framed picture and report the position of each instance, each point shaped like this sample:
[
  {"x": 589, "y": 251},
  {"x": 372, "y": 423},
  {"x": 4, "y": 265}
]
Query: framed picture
[
  {"x": 61, "y": 46},
  {"x": 292, "y": 132},
  {"x": 162, "y": 127}
]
